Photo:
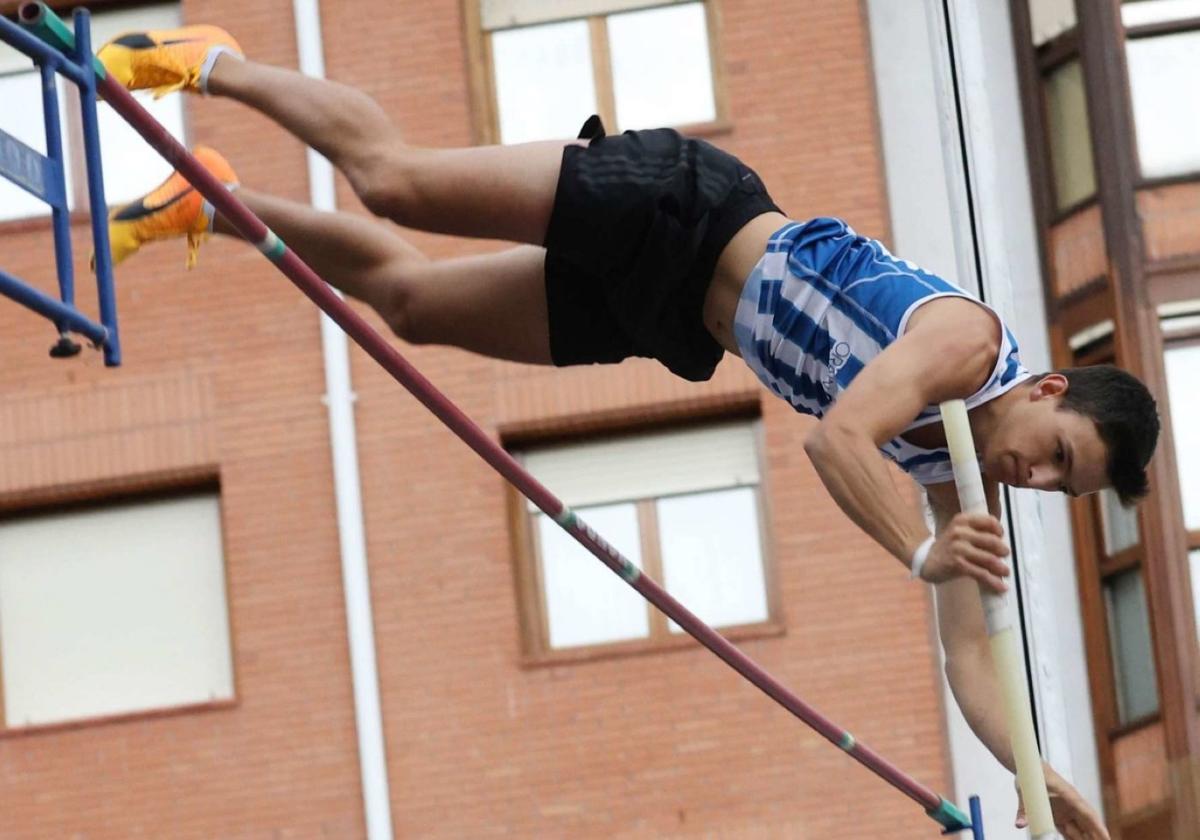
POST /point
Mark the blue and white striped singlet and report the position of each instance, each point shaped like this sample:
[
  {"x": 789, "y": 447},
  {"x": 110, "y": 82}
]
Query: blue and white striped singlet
[{"x": 823, "y": 302}]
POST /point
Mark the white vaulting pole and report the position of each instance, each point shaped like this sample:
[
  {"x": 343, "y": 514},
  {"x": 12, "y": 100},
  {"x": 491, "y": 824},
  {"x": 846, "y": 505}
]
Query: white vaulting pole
[{"x": 1006, "y": 655}]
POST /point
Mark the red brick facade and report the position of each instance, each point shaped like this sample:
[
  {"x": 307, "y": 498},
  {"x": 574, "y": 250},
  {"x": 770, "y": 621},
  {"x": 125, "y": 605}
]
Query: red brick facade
[{"x": 223, "y": 379}]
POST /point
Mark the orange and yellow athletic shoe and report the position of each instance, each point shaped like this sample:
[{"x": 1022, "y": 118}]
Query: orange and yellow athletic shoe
[
  {"x": 174, "y": 208},
  {"x": 167, "y": 60}
]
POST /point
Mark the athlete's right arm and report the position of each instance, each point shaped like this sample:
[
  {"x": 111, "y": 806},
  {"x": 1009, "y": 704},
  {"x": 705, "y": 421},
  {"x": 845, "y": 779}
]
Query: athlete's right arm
[{"x": 923, "y": 367}]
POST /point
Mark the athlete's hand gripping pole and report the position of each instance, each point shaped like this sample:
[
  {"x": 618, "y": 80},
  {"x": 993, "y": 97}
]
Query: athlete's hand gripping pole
[{"x": 1031, "y": 776}]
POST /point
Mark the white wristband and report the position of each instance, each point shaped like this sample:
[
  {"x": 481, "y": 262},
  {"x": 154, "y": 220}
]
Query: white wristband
[{"x": 919, "y": 556}]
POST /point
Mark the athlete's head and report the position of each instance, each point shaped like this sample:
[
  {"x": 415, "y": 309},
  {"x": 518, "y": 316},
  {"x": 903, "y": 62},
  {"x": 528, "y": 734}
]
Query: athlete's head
[{"x": 1078, "y": 430}]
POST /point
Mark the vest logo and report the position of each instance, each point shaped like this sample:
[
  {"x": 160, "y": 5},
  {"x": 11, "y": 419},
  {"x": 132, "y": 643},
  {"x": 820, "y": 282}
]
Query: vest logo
[{"x": 839, "y": 354}]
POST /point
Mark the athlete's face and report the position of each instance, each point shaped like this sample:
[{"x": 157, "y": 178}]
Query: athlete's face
[{"x": 1040, "y": 446}]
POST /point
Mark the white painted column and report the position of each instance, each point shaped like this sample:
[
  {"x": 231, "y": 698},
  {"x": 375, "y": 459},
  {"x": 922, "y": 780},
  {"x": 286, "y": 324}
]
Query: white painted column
[
  {"x": 932, "y": 225},
  {"x": 339, "y": 398}
]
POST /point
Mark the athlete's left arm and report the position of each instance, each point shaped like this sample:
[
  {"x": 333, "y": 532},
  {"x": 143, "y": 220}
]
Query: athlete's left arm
[
  {"x": 972, "y": 677},
  {"x": 963, "y": 632},
  {"x": 938, "y": 359}
]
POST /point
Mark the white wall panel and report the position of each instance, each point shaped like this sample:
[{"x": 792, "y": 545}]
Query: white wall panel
[
  {"x": 649, "y": 465},
  {"x": 114, "y": 609}
]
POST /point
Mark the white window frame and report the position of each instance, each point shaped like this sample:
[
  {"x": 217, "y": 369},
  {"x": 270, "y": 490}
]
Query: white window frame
[
  {"x": 483, "y": 17},
  {"x": 1150, "y": 22},
  {"x": 529, "y": 574}
]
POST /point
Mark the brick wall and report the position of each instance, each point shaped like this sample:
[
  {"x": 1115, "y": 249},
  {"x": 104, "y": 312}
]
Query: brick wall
[{"x": 656, "y": 745}]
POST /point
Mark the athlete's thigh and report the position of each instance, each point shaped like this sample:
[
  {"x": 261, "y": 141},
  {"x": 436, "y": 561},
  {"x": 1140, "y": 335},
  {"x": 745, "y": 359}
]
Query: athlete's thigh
[
  {"x": 494, "y": 304},
  {"x": 491, "y": 192}
]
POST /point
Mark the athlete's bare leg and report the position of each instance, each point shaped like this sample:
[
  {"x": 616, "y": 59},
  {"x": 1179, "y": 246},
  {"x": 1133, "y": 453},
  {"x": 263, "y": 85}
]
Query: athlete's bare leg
[
  {"x": 495, "y": 192},
  {"x": 494, "y": 304}
]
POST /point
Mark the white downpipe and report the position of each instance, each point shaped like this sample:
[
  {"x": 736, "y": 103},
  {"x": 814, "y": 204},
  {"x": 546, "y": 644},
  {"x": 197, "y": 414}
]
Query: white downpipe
[{"x": 339, "y": 399}]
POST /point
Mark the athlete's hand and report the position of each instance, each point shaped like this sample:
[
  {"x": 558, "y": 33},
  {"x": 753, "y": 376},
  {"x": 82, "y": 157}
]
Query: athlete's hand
[
  {"x": 1073, "y": 816},
  {"x": 972, "y": 545}
]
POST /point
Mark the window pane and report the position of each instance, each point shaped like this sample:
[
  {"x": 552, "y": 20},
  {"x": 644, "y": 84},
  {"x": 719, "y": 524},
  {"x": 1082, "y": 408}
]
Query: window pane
[
  {"x": 1049, "y": 18},
  {"x": 22, "y": 117},
  {"x": 712, "y": 557},
  {"x": 1137, "y": 12},
  {"x": 1120, "y": 523},
  {"x": 131, "y": 168},
  {"x": 586, "y": 603},
  {"x": 1129, "y": 639},
  {"x": 662, "y": 72},
  {"x": 109, "y": 610},
  {"x": 13, "y": 61},
  {"x": 1183, "y": 388},
  {"x": 1070, "y": 143},
  {"x": 1166, "y": 110},
  {"x": 544, "y": 84}
]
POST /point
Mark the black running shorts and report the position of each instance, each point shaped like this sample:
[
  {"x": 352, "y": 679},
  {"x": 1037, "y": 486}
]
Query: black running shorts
[{"x": 638, "y": 223}]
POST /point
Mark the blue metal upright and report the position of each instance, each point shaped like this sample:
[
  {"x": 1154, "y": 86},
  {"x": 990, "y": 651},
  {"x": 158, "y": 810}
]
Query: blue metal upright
[
  {"x": 45, "y": 177},
  {"x": 976, "y": 818}
]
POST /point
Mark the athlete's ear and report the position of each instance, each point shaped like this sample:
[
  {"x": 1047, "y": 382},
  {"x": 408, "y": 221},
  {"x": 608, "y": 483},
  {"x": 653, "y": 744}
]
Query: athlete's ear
[{"x": 1050, "y": 385}]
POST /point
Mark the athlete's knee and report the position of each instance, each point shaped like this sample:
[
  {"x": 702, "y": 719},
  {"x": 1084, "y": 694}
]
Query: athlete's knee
[
  {"x": 396, "y": 307},
  {"x": 400, "y": 310},
  {"x": 382, "y": 183}
]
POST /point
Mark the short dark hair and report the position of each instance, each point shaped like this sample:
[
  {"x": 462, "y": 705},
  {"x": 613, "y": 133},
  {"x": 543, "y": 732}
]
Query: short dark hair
[{"x": 1126, "y": 417}]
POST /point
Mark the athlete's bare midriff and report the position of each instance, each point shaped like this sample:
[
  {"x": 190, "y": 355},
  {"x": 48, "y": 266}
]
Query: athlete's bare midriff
[{"x": 729, "y": 277}]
